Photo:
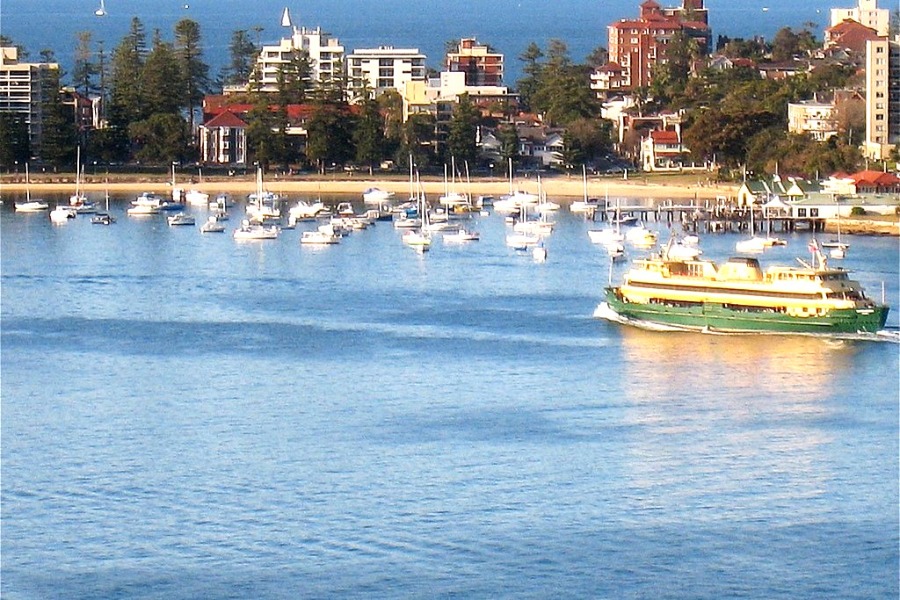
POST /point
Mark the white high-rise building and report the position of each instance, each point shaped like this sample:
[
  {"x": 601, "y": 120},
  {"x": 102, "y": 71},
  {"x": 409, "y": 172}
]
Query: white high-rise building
[
  {"x": 24, "y": 87},
  {"x": 867, "y": 13},
  {"x": 882, "y": 97},
  {"x": 326, "y": 55},
  {"x": 383, "y": 68}
]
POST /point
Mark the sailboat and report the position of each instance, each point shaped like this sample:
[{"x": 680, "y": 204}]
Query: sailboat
[
  {"x": 101, "y": 12},
  {"x": 419, "y": 238},
  {"x": 837, "y": 248},
  {"x": 104, "y": 218},
  {"x": 585, "y": 205},
  {"x": 755, "y": 244},
  {"x": 30, "y": 205},
  {"x": 609, "y": 236},
  {"x": 79, "y": 200}
]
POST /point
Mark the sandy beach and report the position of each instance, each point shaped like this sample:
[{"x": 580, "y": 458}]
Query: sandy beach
[{"x": 679, "y": 188}]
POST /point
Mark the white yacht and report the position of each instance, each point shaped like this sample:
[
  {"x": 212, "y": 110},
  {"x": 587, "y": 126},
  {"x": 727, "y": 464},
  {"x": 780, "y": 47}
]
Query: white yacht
[{"x": 253, "y": 231}]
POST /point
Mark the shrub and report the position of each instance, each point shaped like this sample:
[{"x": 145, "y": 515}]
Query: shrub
[{"x": 857, "y": 211}]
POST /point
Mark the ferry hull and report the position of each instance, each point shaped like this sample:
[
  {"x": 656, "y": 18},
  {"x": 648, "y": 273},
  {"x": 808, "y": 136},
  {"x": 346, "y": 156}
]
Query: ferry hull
[{"x": 716, "y": 317}]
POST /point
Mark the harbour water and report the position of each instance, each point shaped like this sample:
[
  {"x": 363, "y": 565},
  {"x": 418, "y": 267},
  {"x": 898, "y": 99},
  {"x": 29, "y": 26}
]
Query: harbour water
[{"x": 187, "y": 416}]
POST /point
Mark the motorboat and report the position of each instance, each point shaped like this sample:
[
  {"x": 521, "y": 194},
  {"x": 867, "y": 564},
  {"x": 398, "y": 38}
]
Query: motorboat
[
  {"x": 323, "y": 236},
  {"x": 303, "y": 211},
  {"x": 417, "y": 238},
  {"x": 212, "y": 225},
  {"x": 180, "y": 219},
  {"x": 374, "y": 195},
  {"x": 196, "y": 198},
  {"x": 255, "y": 231},
  {"x": 103, "y": 219},
  {"x": 606, "y": 236},
  {"x": 141, "y": 210},
  {"x": 521, "y": 241},
  {"x": 515, "y": 201},
  {"x": 32, "y": 206},
  {"x": 678, "y": 250},
  {"x": 62, "y": 214},
  {"x": 461, "y": 235},
  {"x": 641, "y": 236}
]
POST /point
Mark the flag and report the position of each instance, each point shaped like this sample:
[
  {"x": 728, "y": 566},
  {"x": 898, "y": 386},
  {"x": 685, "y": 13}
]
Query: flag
[{"x": 813, "y": 246}]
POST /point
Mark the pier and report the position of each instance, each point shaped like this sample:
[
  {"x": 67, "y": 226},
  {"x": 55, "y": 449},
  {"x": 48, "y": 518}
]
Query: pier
[{"x": 712, "y": 218}]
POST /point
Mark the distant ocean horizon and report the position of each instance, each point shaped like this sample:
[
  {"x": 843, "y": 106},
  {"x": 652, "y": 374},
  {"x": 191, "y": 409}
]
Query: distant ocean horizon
[{"x": 507, "y": 25}]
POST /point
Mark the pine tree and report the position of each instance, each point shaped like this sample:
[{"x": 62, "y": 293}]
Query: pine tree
[{"x": 194, "y": 72}]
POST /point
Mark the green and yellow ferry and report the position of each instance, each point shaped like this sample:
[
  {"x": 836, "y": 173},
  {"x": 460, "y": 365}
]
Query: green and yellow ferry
[{"x": 739, "y": 297}]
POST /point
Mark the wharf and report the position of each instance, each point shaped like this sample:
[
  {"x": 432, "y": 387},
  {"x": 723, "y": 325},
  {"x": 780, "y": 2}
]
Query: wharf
[{"x": 720, "y": 218}]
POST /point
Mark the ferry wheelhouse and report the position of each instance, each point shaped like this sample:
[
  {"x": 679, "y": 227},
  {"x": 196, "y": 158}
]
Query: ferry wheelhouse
[{"x": 740, "y": 297}]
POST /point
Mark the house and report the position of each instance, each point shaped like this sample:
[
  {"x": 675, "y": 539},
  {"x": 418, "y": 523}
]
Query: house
[
  {"x": 818, "y": 119},
  {"x": 223, "y": 140},
  {"x": 542, "y": 146},
  {"x": 222, "y": 135},
  {"x": 662, "y": 150}
]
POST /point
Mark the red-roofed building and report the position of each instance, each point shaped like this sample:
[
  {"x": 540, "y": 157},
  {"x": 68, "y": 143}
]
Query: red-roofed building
[
  {"x": 223, "y": 139},
  {"x": 662, "y": 150},
  {"x": 876, "y": 182},
  {"x": 636, "y": 45},
  {"x": 223, "y": 134},
  {"x": 849, "y": 35}
]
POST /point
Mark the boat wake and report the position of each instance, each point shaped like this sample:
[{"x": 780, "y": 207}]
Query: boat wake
[{"x": 604, "y": 311}]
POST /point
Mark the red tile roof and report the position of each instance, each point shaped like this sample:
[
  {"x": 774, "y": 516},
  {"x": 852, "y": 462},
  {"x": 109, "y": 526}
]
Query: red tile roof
[
  {"x": 664, "y": 137},
  {"x": 226, "y": 118}
]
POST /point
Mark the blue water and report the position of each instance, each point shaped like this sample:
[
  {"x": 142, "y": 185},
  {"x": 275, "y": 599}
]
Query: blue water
[
  {"x": 508, "y": 25},
  {"x": 185, "y": 416}
]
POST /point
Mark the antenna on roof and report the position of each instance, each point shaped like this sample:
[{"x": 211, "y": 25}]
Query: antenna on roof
[{"x": 286, "y": 18}]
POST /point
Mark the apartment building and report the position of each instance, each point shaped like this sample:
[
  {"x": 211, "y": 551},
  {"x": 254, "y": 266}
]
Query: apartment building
[
  {"x": 865, "y": 12},
  {"x": 636, "y": 45},
  {"x": 482, "y": 66},
  {"x": 384, "y": 68},
  {"x": 24, "y": 88},
  {"x": 882, "y": 97},
  {"x": 326, "y": 57}
]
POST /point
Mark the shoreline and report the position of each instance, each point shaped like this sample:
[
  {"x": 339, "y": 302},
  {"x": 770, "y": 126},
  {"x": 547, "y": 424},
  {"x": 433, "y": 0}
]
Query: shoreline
[{"x": 556, "y": 186}]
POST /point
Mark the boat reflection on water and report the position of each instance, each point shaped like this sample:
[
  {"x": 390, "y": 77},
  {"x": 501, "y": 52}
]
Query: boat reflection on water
[
  {"x": 734, "y": 368},
  {"x": 722, "y": 420}
]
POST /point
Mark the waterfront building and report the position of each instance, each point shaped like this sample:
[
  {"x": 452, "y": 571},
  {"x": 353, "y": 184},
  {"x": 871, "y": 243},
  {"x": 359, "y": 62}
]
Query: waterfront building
[
  {"x": 480, "y": 63},
  {"x": 24, "y": 89},
  {"x": 223, "y": 139},
  {"x": 637, "y": 45},
  {"x": 384, "y": 68},
  {"x": 223, "y": 134},
  {"x": 325, "y": 54},
  {"x": 882, "y": 97},
  {"x": 867, "y": 13}
]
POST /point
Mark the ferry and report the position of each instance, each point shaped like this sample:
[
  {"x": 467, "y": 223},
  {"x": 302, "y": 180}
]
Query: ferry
[{"x": 696, "y": 294}]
